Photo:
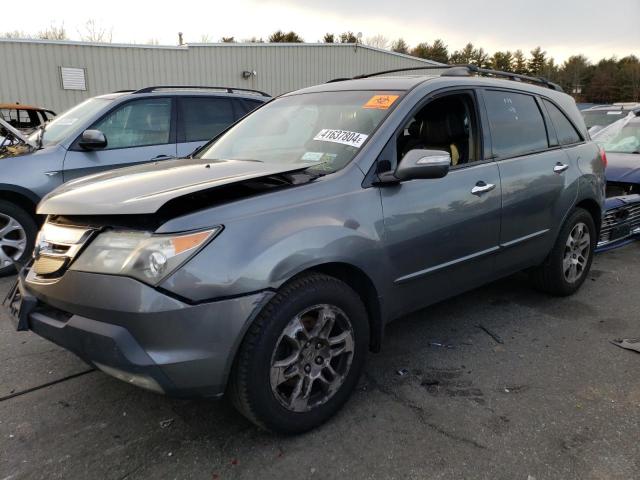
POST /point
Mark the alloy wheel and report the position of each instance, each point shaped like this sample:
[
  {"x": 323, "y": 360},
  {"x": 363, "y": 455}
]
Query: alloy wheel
[
  {"x": 13, "y": 240},
  {"x": 312, "y": 358},
  {"x": 576, "y": 253}
]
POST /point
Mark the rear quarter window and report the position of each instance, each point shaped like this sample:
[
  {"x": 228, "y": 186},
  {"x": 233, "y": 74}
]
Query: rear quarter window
[
  {"x": 516, "y": 124},
  {"x": 567, "y": 133}
]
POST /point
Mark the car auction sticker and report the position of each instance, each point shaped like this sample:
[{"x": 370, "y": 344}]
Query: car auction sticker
[
  {"x": 380, "y": 102},
  {"x": 345, "y": 137}
]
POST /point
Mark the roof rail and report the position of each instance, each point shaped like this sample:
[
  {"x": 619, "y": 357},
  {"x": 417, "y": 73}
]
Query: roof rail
[
  {"x": 468, "y": 70},
  {"x": 199, "y": 87}
]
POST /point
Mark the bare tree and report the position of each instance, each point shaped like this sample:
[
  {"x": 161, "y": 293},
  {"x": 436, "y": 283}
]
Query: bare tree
[
  {"x": 15, "y": 34},
  {"x": 54, "y": 32},
  {"x": 206, "y": 38},
  {"x": 228, "y": 40},
  {"x": 377, "y": 41},
  {"x": 93, "y": 32},
  {"x": 152, "y": 41}
]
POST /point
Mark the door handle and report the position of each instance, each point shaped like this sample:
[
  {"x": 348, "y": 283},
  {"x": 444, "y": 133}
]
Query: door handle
[
  {"x": 482, "y": 187},
  {"x": 560, "y": 167},
  {"x": 162, "y": 157}
]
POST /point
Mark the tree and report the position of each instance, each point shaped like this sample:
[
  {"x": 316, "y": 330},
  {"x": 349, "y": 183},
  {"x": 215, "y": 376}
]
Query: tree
[
  {"x": 536, "y": 63},
  {"x": 519, "y": 63},
  {"x": 602, "y": 88},
  {"x": 93, "y": 32},
  {"x": 348, "y": 37},
  {"x": 228, "y": 40},
  {"x": 253, "y": 40},
  {"x": 420, "y": 50},
  {"x": 152, "y": 41},
  {"x": 206, "y": 38},
  {"x": 329, "y": 38},
  {"x": 400, "y": 46},
  {"x": 54, "y": 32},
  {"x": 629, "y": 78},
  {"x": 502, "y": 61},
  {"x": 378, "y": 41},
  {"x": 463, "y": 56},
  {"x": 480, "y": 58},
  {"x": 575, "y": 74},
  {"x": 280, "y": 37},
  {"x": 15, "y": 34},
  {"x": 438, "y": 51}
]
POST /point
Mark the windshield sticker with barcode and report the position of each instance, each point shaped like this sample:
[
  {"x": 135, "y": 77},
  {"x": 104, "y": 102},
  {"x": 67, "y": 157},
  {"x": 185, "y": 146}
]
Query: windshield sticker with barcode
[
  {"x": 312, "y": 156},
  {"x": 345, "y": 137}
]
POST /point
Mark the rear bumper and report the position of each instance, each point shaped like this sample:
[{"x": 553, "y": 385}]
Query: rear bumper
[{"x": 140, "y": 335}]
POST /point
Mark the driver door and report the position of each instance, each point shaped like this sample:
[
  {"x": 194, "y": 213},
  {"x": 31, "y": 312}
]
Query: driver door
[
  {"x": 137, "y": 131},
  {"x": 441, "y": 234}
]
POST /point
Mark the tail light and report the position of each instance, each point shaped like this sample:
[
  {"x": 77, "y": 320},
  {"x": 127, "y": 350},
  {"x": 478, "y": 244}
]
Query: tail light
[{"x": 603, "y": 157}]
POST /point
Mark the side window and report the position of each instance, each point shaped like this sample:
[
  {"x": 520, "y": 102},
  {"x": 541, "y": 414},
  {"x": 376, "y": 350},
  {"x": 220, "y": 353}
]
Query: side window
[
  {"x": 137, "y": 124},
  {"x": 447, "y": 123},
  {"x": 203, "y": 118},
  {"x": 516, "y": 123},
  {"x": 248, "y": 105},
  {"x": 567, "y": 134}
]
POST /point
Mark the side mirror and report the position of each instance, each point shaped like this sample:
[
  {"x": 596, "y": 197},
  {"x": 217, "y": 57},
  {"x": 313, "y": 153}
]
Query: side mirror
[
  {"x": 423, "y": 164},
  {"x": 93, "y": 140}
]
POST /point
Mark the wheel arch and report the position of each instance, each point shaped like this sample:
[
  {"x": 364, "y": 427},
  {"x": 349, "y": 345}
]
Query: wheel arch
[
  {"x": 362, "y": 284},
  {"x": 594, "y": 210},
  {"x": 21, "y": 197}
]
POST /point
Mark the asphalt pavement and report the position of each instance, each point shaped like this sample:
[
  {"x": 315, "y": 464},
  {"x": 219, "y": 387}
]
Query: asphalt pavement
[{"x": 499, "y": 383}]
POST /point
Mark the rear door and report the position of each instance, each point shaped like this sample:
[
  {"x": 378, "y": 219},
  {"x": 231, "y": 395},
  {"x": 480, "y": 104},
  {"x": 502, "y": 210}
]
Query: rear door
[
  {"x": 539, "y": 180},
  {"x": 137, "y": 131},
  {"x": 200, "y": 118}
]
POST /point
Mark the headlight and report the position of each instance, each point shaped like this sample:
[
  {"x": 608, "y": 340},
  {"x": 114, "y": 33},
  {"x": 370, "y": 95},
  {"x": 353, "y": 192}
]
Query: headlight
[{"x": 142, "y": 255}]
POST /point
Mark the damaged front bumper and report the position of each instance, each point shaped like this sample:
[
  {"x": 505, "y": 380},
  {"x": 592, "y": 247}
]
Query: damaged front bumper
[
  {"x": 137, "y": 333},
  {"x": 620, "y": 222}
]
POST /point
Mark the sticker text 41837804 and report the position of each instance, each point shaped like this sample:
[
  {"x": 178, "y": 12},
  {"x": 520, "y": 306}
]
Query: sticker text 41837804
[{"x": 345, "y": 137}]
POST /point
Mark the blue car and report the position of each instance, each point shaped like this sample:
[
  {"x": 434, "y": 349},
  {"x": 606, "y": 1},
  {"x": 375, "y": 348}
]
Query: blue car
[{"x": 621, "y": 222}]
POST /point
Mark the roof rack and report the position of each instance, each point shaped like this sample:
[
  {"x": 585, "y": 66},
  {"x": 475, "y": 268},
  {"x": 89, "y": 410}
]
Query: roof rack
[
  {"x": 469, "y": 70},
  {"x": 198, "y": 87}
]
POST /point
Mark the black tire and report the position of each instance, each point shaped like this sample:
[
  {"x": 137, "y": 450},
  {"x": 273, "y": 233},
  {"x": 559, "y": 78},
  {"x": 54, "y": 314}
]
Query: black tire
[
  {"x": 250, "y": 388},
  {"x": 30, "y": 229},
  {"x": 550, "y": 277}
]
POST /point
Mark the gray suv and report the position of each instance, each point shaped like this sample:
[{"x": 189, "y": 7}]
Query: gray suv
[
  {"x": 102, "y": 133},
  {"x": 268, "y": 265}
]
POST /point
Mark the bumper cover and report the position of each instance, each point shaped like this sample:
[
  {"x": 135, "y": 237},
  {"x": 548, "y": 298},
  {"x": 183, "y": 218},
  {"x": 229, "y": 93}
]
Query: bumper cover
[
  {"x": 140, "y": 335},
  {"x": 620, "y": 222}
]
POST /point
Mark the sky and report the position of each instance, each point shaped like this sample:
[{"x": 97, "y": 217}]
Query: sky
[{"x": 595, "y": 28}]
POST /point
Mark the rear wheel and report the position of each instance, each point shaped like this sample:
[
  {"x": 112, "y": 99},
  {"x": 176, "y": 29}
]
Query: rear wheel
[
  {"x": 17, "y": 236},
  {"x": 568, "y": 264},
  {"x": 302, "y": 356}
]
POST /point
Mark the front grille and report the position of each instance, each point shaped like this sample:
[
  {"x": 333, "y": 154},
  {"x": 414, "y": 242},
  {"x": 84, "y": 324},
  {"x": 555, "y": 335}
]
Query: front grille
[
  {"x": 616, "y": 221},
  {"x": 56, "y": 247}
]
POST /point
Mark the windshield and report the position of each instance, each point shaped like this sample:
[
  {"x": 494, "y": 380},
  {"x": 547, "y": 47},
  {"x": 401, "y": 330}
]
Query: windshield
[
  {"x": 601, "y": 118},
  {"x": 63, "y": 124},
  {"x": 324, "y": 130},
  {"x": 621, "y": 137}
]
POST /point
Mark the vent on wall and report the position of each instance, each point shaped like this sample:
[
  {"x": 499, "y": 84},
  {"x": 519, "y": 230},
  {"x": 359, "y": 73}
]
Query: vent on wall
[{"x": 73, "y": 78}]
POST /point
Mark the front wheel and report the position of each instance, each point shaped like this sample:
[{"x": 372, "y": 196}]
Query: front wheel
[
  {"x": 17, "y": 236},
  {"x": 302, "y": 357},
  {"x": 567, "y": 266}
]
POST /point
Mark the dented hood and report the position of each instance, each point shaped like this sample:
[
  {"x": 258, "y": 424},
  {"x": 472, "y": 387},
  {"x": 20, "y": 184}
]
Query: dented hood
[
  {"x": 145, "y": 188},
  {"x": 623, "y": 167}
]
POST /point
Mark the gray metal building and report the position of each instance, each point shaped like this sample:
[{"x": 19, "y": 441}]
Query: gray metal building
[{"x": 60, "y": 74}]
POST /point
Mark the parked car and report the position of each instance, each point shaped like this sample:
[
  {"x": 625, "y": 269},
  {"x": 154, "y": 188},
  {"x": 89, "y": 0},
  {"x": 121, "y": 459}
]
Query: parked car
[
  {"x": 103, "y": 133},
  {"x": 598, "y": 117},
  {"x": 268, "y": 265},
  {"x": 621, "y": 141},
  {"x": 25, "y": 118}
]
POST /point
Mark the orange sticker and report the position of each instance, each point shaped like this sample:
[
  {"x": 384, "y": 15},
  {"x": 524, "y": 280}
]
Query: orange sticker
[{"x": 381, "y": 102}]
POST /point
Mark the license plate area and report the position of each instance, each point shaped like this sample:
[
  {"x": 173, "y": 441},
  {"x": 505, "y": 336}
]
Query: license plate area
[{"x": 19, "y": 305}]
